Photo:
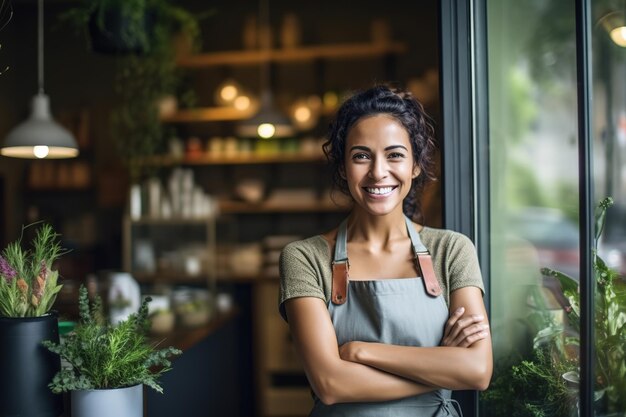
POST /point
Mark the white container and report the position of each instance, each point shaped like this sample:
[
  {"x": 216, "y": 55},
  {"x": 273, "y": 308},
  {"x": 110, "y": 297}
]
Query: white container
[
  {"x": 121, "y": 402},
  {"x": 124, "y": 296}
]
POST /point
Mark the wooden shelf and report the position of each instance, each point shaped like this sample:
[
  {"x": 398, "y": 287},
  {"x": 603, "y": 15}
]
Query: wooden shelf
[
  {"x": 183, "y": 278},
  {"x": 184, "y": 338},
  {"x": 234, "y": 207},
  {"x": 170, "y": 277},
  {"x": 209, "y": 114},
  {"x": 301, "y": 54},
  {"x": 171, "y": 221},
  {"x": 252, "y": 158}
]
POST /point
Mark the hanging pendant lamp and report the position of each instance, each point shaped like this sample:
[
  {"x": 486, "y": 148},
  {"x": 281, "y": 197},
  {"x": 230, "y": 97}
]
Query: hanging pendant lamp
[
  {"x": 269, "y": 122},
  {"x": 614, "y": 22},
  {"x": 40, "y": 136}
]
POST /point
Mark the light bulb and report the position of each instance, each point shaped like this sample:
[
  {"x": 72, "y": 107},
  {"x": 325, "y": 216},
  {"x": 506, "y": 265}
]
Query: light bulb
[
  {"x": 266, "y": 130},
  {"x": 228, "y": 93},
  {"x": 40, "y": 151},
  {"x": 302, "y": 114},
  {"x": 618, "y": 35},
  {"x": 242, "y": 103}
]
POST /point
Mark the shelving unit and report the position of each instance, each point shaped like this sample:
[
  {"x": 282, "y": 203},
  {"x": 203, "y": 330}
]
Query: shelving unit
[
  {"x": 164, "y": 235},
  {"x": 208, "y": 114},
  {"x": 151, "y": 278},
  {"x": 301, "y": 54},
  {"x": 277, "y": 359},
  {"x": 239, "y": 159},
  {"x": 236, "y": 207}
]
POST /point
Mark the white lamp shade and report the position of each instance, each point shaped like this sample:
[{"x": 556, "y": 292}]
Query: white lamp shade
[
  {"x": 615, "y": 24},
  {"x": 269, "y": 119},
  {"x": 40, "y": 136}
]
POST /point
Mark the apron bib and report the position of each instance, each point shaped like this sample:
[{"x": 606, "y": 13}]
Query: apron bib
[{"x": 405, "y": 311}]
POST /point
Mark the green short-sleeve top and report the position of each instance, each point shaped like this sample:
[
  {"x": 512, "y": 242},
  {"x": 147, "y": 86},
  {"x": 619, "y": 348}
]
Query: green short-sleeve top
[{"x": 305, "y": 265}]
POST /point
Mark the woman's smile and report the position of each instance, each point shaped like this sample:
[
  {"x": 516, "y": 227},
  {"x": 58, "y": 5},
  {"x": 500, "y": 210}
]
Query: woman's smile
[{"x": 381, "y": 191}]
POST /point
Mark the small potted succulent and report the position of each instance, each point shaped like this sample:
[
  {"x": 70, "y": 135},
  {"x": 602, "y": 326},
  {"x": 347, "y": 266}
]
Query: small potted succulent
[
  {"x": 28, "y": 289},
  {"x": 107, "y": 366}
]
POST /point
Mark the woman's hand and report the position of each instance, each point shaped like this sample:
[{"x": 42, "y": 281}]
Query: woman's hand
[
  {"x": 464, "y": 331},
  {"x": 349, "y": 351}
]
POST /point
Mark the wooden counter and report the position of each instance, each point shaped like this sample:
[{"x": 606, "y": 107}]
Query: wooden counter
[{"x": 184, "y": 338}]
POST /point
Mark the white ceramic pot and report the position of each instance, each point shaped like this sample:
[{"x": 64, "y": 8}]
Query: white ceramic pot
[{"x": 121, "y": 402}]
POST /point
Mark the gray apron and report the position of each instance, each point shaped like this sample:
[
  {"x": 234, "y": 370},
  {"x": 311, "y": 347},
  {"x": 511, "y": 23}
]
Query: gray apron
[{"x": 392, "y": 311}]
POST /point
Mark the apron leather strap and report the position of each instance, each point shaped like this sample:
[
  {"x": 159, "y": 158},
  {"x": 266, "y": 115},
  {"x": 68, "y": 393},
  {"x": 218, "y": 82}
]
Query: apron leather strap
[
  {"x": 340, "y": 282},
  {"x": 425, "y": 264},
  {"x": 423, "y": 261},
  {"x": 341, "y": 265}
]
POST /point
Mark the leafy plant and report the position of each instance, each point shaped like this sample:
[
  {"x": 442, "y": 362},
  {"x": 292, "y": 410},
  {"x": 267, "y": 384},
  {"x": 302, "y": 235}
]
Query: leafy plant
[
  {"x": 531, "y": 388},
  {"x": 609, "y": 319},
  {"x": 102, "y": 356},
  {"x": 28, "y": 285},
  {"x": 140, "y": 24},
  {"x": 546, "y": 383},
  {"x": 143, "y": 79}
]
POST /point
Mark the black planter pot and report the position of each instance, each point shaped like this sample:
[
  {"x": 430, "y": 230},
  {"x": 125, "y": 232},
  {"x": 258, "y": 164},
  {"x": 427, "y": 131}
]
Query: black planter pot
[
  {"x": 107, "y": 37},
  {"x": 26, "y": 367}
]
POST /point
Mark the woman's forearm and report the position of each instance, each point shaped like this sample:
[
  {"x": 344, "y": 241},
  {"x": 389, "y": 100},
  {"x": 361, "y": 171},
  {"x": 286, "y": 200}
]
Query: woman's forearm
[
  {"x": 452, "y": 367},
  {"x": 347, "y": 381},
  {"x": 333, "y": 379},
  {"x": 441, "y": 366}
]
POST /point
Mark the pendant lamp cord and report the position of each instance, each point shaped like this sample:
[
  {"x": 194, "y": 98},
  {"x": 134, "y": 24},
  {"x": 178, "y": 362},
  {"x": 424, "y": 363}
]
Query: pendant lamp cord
[
  {"x": 6, "y": 13},
  {"x": 264, "y": 18},
  {"x": 40, "y": 45}
]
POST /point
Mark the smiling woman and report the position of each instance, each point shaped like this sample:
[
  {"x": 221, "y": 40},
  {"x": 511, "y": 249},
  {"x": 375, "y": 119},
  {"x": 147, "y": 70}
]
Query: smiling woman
[
  {"x": 379, "y": 166},
  {"x": 395, "y": 328}
]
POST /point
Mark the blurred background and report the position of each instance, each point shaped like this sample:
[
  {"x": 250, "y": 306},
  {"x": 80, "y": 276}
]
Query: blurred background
[{"x": 200, "y": 158}]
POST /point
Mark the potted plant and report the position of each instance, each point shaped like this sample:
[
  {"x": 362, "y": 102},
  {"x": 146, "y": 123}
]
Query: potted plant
[
  {"x": 546, "y": 383},
  {"x": 28, "y": 289},
  {"x": 108, "y": 365},
  {"x": 129, "y": 26},
  {"x": 609, "y": 324},
  {"x": 156, "y": 33}
]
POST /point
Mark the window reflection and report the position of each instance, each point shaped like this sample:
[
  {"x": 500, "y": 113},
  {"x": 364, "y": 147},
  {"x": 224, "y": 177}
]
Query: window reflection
[
  {"x": 534, "y": 209},
  {"x": 533, "y": 206},
  {"x": 609, "y": 151}
]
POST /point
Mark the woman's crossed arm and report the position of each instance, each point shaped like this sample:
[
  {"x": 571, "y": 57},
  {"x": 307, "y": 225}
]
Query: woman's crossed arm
[
  {"x": 360, "y": 371},
  {"x": 449, "y": 366}
]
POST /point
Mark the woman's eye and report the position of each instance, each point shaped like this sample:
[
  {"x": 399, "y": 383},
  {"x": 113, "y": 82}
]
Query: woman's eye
[
  {"x": 395, "y": 155},
  {"x": 360, "y": 156}
]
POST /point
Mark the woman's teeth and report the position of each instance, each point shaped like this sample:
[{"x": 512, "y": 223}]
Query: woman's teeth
[{"x": 382, "y": 190}]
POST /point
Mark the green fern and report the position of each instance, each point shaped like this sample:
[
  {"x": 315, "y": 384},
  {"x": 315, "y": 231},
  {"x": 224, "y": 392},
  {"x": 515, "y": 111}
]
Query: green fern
[{"x": 104, "y": 356}]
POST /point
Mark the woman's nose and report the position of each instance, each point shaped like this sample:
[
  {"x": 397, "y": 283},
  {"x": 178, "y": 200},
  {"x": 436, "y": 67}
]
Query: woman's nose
[{"x": 378, "y": 169}]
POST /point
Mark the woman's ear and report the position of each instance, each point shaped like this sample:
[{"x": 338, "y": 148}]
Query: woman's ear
[
  {"x": 416, "y": 171},
  {"x": 342, "y": 172}
]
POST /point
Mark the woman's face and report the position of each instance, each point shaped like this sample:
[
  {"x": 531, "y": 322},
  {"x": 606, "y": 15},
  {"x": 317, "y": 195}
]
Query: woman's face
[{"x": 379, "y": 166}]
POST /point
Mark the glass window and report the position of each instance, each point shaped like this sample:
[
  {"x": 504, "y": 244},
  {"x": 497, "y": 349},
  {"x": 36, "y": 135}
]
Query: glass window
[
  {"x": 609, "y": 152},
  {"x": 533, "y": 189}
]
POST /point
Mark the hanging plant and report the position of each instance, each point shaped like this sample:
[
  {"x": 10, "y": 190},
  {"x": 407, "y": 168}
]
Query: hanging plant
[{"x": 149, "y": 29}]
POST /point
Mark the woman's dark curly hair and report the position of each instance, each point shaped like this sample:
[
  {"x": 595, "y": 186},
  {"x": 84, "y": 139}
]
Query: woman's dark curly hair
[{"x": 409, "y": 112}]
